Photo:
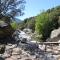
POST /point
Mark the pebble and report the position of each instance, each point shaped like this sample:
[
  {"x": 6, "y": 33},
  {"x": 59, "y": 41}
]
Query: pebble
[
  {"x": 13, "y": 52},
  {"x": 17, "y": 51},
  {"x": 5, "y": 55}
]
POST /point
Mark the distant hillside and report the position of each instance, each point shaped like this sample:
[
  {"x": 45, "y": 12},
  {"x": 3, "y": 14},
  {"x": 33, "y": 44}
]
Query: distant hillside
[{"x": 28, "y": 23}]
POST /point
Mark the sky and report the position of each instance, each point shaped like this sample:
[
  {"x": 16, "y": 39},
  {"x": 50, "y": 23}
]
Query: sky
[{"x": 34, "y": 7}]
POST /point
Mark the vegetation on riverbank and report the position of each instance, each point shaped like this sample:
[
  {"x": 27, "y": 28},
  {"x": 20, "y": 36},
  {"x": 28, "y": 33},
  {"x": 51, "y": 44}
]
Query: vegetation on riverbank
[{"x": 43, "y": 23}]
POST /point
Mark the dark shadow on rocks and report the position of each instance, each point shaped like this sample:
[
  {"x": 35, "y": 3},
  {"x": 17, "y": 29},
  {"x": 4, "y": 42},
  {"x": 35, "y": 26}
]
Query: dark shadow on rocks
[
  {"x": 2, "y": 58},
  {"x": 31, "y": 48},
  {"x": 6, "y": 40}
]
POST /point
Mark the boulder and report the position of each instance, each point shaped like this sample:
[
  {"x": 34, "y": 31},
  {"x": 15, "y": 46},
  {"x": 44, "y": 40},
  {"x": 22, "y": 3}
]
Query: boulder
[
  {"x": 55, "y": 33},
  {"x": 5, "y": 55},
  {"x": 24, "y": 40},
  {"x": 27, "y": 30},
  {"x": 16, "y": 51},
  {"x": 5, "y": 27},
  {"x": 5, "y": 30},
  {"x": 2, "y": 49},
  {"x": 31, "y": 46},
  {"x": 55, "y": 36}
]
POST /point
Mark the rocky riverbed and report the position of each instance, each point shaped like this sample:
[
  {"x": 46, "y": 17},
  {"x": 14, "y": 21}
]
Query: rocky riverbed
[
  {"x": 29, "y": 50},
  {"x": 14, "y": 52}
]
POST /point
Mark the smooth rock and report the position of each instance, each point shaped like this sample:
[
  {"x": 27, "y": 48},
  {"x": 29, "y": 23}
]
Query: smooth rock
[
  {"x": 17, "y": 56},
  {"x": 9, "y": 59},
  {"x": 55, "y": 33},
  {"x": 14, "y": 57},
  {"x": 5, "y": 55},
  {"x": 10, "y": 46},
  {"x": 16, "y": 51}
]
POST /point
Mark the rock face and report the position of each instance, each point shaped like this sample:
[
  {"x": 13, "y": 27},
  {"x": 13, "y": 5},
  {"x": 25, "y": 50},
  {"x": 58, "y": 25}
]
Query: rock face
[
  {"x": 55, "y": 33},
  {"x": 14, "y": 52},
  {"x": 21, "y": 36},
  {"x": 55, "y": 36},
  {"x": 5, "y": 29}
]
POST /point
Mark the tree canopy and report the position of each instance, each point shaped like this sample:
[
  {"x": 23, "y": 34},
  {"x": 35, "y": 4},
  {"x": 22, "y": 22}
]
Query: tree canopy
[{"x": 12, "y": 7}]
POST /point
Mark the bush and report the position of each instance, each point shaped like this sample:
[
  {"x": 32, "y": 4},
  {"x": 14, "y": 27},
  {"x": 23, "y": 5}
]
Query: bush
[
  {"x": 46, "y": 22},
  {"x": 14, "y": 25}
]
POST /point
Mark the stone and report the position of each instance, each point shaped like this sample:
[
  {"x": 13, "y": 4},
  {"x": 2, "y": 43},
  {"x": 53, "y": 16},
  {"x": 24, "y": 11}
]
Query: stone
[
  {"x": 42, "y": 47},
  {"x": 10, "y": 46},
  {"x": 55, "y": 33},
  {"x": 26, "y": 30},
  {"x": 5, "y": 55},
  {"x": 23, "y": 55},
  {"x": 31, "y": 46},
  {"x": 5, "y": 28},
  {"x": 2, "y": 49},
  {"x": 9, "y": 51},
  {"x": 56, "y": 52},
  {"x": 16, "y": 56},
  {"x": 49, "y": 50},
  {"x": 24, "y": 40},
  {"x": 16, "y": 51},
  {"x": 58, "y": 58},
  {"x": 9, "y": 59},
  {"x": 28, "y": 59},
  {"x": 54, "y": 36}
]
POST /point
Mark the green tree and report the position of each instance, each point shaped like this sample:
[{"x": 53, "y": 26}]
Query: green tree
[
  {"x": 12, "y": 7},
  {"x": 47, "y": 21},
  {"x": 40, "y": 22}
]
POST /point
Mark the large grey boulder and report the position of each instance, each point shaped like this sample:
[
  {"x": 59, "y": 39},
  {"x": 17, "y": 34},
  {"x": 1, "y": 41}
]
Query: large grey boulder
[
  {"x": 55, "y": 33},
  {"x": 55, "y": 36}
]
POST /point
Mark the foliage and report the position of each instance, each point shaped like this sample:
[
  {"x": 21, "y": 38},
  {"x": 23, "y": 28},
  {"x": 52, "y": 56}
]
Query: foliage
[
  {"x": 47, "y": 21},
  {"x": 43, "y": 23},
  {"x": 28, "y": 23},
  {"x": 31, "y": 24},
  {"x": 14, "y": 25},
  {"x": 11, "y": 7},
  {"x": 36, "y": 37},
  {"x": 41, "y": 20}
]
